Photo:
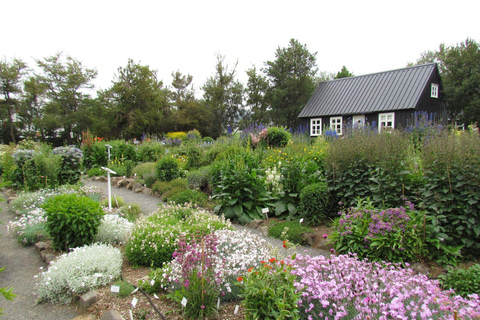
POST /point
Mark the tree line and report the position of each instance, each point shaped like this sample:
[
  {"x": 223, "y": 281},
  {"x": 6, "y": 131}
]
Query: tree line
[{"x": 54, "y": 103}]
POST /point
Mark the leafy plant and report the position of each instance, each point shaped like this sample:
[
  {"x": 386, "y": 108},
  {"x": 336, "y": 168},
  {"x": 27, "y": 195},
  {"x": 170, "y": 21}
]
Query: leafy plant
[
  {"x": 314, "y": 205},
  {"x": 189, "y": 196},
  {"x": 117, "y": 201},
  {"x": 291, "y": 230},
  {"x": 71, "y": 164},
  {"x": 95, "y": 172},
  {"x": 198, "y": 179},
  {"x": 464, "y": 281},
  {"x": 131, "y": 211},
  {"x": 269, "y": 291},
  {"x": 113, "y": 229},
  {"x": 126, "y": 288},
  {"x": 29, "y": 235},
  {"x": 72, "y": 220},
  {"x": 277, "y": 137},
  {"x": 167, "y": 169}
]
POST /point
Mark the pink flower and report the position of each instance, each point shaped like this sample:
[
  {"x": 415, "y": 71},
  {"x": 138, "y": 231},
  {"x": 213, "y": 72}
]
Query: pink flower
[{"x": 325, "y": 236}]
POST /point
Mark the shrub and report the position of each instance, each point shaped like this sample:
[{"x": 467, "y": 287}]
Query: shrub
[
  {"x": 29, "y": 235},
  {"x": 167, "y": 169},
  {"x": 72, "y": 220},
  {"x": 95, "y": 172},
  {"x": 194, "y": 134},
  {"x": 288, "y": 230},
  {"x": 171, "y": 192},
  {"x": 71, "y": 164},
  {"x": 140, "y": 170},
  {"x": 198, "y": 179},
  {"x": 48, "y": 168},
  {"x": 113, "y": 229},
  {"x": 193, "y": 157},
  {"x": 131, "y": 211},
  {"x": 94, "y": 155},
  {"x": 189, "y": 196},
  {"x": 314, "y": 205},
  {"x": 25, "y": 175},
  {"x": 163, "y": 186},
  {"x": 177, "y": 135},
  {"x": 269, "y": 291},
  {"x": 79, "y": 271},
  {"x": 277, "y": 137},
  {"x": 126, "y": 288},
  {"x": 150, "y": 151},
  {"x": 117, "y": 201},
  {"x": 150, "y": 179},
  {"x": 155, "y": 238},
  {"x": 464, "y": 281}
]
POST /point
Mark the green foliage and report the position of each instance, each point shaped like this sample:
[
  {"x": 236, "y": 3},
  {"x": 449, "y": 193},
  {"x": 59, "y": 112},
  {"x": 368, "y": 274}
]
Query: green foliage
[
  {"x": 6, "y": 292},
  {"x": 193, "y": 156},
  {"x": 48, "y": 167},
  {"x": 140, "y": 170},
  {"x": 278, "y": 137},
  {"x": 198, "y": 179},
  {"x": 315, "y": 205},
  {"x": 167, "y": 169},
  {"x": 126, "y": 288},
  {"x": 72, "y": 220},
  {"x": 71, "y": 164},
  {"x": 239, "y": 186},
  {"x": 343, "y": 73},
  {"x": 194, "y": 197},
  {"x": 29, "y": 235},
  {"x": 451, "y": 187},
  {"x": 162, "y": 186},
  {"x": 171, "y": 193},
  {"x": 288, "y": 230},
  {"x": 131, "y": 211},
  {"x": 95, "y": 172},
  {"x": 154, "y": 238},
  {"x": 94, "y": 155},
  {"x": 150, "y": 151},
  {"x": 269, "y": 292},
  {"x": 464, "y": 281},
  {"x": 117, "y": 201}
]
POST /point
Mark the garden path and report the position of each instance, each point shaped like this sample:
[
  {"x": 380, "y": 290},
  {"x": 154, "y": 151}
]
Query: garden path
[
  {"x": 21, "y": 265},
  {"x": 149, "y": 204}
]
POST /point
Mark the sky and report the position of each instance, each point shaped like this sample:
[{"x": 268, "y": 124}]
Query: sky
[{"x": 365, "y": 36}]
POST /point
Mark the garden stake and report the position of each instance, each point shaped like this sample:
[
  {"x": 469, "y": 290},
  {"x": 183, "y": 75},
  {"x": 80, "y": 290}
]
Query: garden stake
[{"x": 454, "y": 314}]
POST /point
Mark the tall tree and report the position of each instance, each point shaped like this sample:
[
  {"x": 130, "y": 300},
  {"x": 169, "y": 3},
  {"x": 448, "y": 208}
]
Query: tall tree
[
  {"x": 11, "y": 74},
  {"x": 138, "y": 102},
  {"x": 67, "y": 83},
  {"x": 223, "y": 97},
  {"x": 459, "y": 67},
  {"x": 257, "y": 103},
  {"x": 291, "y": 78},
  {"x": 31, "y": 109},
  {"x": 343, "y": 73}
]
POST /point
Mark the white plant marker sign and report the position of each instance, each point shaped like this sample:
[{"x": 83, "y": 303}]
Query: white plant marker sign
[
  {"x": 115, "y": 289},
  {"x": 109, "y": 186},
  {"x": 265, "y": 212}
]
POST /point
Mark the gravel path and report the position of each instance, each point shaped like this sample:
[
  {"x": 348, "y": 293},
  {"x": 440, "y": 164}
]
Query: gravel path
[
  {"x": 21, "y": 265},
  {"x": 150, "y": 204}
]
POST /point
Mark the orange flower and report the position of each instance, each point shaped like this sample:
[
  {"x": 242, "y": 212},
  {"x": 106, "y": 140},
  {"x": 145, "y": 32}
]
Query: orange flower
[
  {"x": 240, "y": 279},
  {"x": 250, "y": 270},
  {"x": 272, "y": 260}
]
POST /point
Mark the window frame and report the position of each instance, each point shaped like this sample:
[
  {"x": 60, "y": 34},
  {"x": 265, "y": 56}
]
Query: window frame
[
  {"x": 315, "y": 127},
  {"x": 434, "y": 90},
  {"x": 386, "y": 114},
  {"x": 336, "y": 126}
]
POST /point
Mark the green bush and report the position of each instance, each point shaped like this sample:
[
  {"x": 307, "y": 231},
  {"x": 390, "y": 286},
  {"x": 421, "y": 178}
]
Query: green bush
[
  {"x": 72, "y": 220},
  {"x": 464, "y": 281},
  {"x": 171, "y": 192},
  {"x": 278, "y": 137},
  {"x": 48, "y": 167},
  {"x": 140, "y": 170},
  {"x": 198, "y": 179},
  {"x": 94, "y": 155},
  {"x": 154, "y": 238},
  {"x": 150, "y": 179},
  {"x": 190, "y": 196},
  {"x": 314, "y": 205},
  {"x": 131, "y": 211},
  {"x": 95, "y": 172},
  {"x": 150, "y": 151},
  {"x": 71, "y": 164},
  {"x": 193, "y": 156},
  {"x": 167, "y": 169},
  {"x": 126, "y": 288},
  {"x": 162, "y": 186},
  {"x": 117, "y": 201},
  {"x": 288, "y": 230}
]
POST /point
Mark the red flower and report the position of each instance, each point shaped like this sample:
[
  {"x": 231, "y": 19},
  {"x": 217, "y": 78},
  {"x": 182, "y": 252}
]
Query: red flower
[
  {"x": 285, "y": 243},
  {"x": 272, "y": 260},
  {"x": 262, "y": 262},
  {"x": 282, "y": 263},
  {"x": 250, "y": 270},
  {"x": 240, "y": 279}
]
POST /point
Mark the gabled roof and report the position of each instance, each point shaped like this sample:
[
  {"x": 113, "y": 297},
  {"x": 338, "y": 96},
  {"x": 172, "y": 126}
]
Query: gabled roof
[{"x": 384, "y": 91}]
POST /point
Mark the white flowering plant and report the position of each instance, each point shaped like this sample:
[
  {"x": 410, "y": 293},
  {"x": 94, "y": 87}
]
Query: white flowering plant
[
  {"x": 154, "y": 238},
  {"x": 113, "y": 229},
  {"x": 77, "y": 272}
]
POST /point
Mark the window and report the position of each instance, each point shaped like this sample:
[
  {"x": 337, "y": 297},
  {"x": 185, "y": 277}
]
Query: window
[
  {"x": 434, "y": 91},
  {"x": 358, "y": 121},
  {"x": 336, "y": 124},
  {"x": 316, "y": 127},
  {"x": 386, "y": 120}
]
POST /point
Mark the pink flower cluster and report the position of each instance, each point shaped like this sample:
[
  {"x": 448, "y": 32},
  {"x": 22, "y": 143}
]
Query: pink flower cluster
[{"x": 341, "y": 287}]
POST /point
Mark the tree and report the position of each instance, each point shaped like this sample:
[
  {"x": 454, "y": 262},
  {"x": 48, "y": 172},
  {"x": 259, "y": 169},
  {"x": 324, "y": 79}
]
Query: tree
[
  {"x": 460, "y": 71},
  {"x": 31, "y": 107},
  {"x": 291, "y": 82},
  {"x": 223, "y": 97},
  {"x": 66, "y": 82},
  {"x": 344, "y": 73},
  {"x": 138, "y": 102},
  {"x": 256, "y": 87},
  {"x": 11, "y": 74}
]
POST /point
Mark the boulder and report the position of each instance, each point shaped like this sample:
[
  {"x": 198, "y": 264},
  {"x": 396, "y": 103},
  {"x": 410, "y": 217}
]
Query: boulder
[
  {"x": 122, "y": 183},
  {"x": 111, "y": 315},
  {"x": 40, "y": 246},
  {"x": 86, "y": 300},
  {"x": 136, "y": 186},
  {"x": 147, "y": 191},
  {"x": 255, "y": 224}
]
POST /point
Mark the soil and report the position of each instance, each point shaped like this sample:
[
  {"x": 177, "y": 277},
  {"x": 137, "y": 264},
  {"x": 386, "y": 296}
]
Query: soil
[{"x": 23, "y": 263}]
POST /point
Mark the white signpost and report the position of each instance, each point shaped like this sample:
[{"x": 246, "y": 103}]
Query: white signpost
[
  {"x": 109, "y": 186},
  {"x": 108, "y": 150}
]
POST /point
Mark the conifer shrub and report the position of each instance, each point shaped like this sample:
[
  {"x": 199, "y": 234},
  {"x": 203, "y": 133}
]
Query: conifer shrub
[
  {"x": 167, "y": 169},
  {"x": 72, "y": 220},
  {"x": 314, "y": 204}
]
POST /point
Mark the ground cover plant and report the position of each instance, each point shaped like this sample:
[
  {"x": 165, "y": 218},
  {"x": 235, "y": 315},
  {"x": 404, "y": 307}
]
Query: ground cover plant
[
  {"x": 345, "y": 287},
  {"x": 464, "y": 281},
  {"x": 288, "y": 230},
  {"x": 78, "y": 271}
]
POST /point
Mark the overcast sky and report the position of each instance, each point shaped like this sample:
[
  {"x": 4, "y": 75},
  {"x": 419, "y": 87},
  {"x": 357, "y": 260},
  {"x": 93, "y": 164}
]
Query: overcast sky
[{"x": 365, "y": 36}]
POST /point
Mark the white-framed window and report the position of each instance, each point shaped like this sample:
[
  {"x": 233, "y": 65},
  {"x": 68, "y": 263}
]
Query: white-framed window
[
  {"x": 336, "y": 124},
  {"x": 316, "y": 127},
  {"x": 358, "y": 121},
  {"x": 386, "y": 120},
  {"x": 434, "y": 91}
]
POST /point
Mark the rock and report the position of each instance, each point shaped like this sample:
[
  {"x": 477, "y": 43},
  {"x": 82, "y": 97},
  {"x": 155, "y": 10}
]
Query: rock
[
  {"x": 122, "y": 183},
  {"x": 136, "y": 186},
  {"x": 147, "y": 191},
  {"x": 111, "y": 315},
  {"x": 255, "y": 224},
  {"x": 18, "y": 213},
  {"x": 40, "y": 246},
  {"x": 130, "y": 186},
  {"x": 102, "y": 179},
  {"x": 40, "y": 237},
  {"x": 418, "y": 267},
  {"x": 156, "y": 194},
  {"x": 86, "y": 317},
  {"x": 264, "y": 230},
  {"x": 86, "y": 300},
  {"x": 309, "y": 238},
  {"x": 139, "y": 190},
  {"x": 47, "y": 257}
]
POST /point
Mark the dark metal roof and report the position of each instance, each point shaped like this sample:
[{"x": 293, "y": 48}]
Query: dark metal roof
[{"x": 384, "y": 91}]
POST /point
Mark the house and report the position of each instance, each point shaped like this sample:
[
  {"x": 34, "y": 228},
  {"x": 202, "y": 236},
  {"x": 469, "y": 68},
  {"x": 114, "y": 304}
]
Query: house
[{"x": 383, "y": 100}]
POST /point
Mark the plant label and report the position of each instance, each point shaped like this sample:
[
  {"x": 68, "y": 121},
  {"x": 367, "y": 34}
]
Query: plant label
[
  {"x": 184, "y": 302},
  {"x": 152, "y": 283},
  {"x": 131, "y": 314},
  {"x": 265, "y": 210},
  {"x": 115, "y": 289},
  {"x": 218, "y": 304},
  {"x": 155, "y": 296},
  {"x": 134, "y": 301},
  {"x": 236, "y": 309}
]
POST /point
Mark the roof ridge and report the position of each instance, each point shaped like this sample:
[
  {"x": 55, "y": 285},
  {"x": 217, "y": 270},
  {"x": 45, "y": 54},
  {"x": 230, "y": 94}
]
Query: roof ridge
[{"x": 381, "y": 72}]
